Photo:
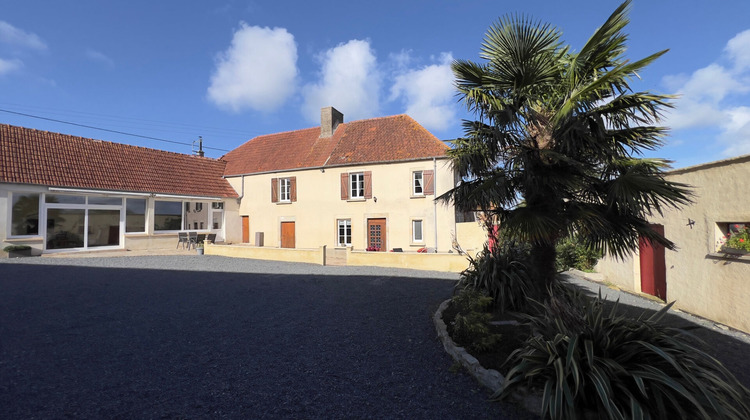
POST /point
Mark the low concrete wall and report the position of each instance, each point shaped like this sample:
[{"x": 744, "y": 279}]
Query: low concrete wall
[
  {"x": 156, "y": 241},
  {"x": 436, "y": 262},
  {"x": 313, "y": 256}
]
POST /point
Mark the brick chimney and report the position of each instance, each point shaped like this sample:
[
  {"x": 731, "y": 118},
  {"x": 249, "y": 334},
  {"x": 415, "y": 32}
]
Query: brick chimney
[{"x": 330, "y": 118}]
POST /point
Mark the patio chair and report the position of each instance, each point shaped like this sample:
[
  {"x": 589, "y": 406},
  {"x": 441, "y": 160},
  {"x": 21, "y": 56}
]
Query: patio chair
[
  {"x": 192, "y": 239},
  {"x": 201, "y": 237},
  {"x": 211, "y": 238},
  {"x": 182, "y": 238}
]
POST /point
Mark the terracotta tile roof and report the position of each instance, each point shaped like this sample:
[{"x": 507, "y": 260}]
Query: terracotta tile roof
[
  {"x": 386, "y": 139},
  {"x": 29, "y": 156}
]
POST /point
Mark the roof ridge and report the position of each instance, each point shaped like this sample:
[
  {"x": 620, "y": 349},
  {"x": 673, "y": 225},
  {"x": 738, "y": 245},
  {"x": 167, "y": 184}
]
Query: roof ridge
[{"x": 106, "y": 141}]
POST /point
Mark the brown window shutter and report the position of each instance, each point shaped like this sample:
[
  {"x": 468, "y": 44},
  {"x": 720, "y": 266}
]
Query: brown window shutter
[
  {"x": 429, "y": 182},
  {"x": 368, "y": 184},
  {"x": 345, "y": 186},
  {"x": 293, "y": 187},
  {"x": 274, "y": 190}
]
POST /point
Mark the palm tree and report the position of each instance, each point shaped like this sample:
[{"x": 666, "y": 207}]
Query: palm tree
[{"x": 557, "y": 146}]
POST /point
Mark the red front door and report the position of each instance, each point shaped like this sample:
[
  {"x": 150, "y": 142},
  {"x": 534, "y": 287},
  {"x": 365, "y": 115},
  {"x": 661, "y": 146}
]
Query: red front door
[
  {"x": 376, "y": 234},
  {"x": 653, "y": 266}
]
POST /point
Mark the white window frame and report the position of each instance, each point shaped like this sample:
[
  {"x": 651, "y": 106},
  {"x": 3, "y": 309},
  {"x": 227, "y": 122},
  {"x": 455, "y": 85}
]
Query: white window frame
[
  {"x": 40, "y": 203},
  {"x": 345, "y": 223},
  {"x": 285, "y": 190},
  {"x": 357, "y": 185},
  {"x": 414, "y": 223},
  {"x": 417, "y": 183}
]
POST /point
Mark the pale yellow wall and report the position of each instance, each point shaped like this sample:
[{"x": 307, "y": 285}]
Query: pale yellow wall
[
  {"x": 312, "y": 256},
  {"x": 697, "y": 278},
  {"x": 435, "y": 262},
  {"x": 472, "y": 236},
  {"x": 319, "y": 205}
]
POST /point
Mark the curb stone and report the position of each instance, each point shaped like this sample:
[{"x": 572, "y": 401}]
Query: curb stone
[{"x": 489, "y": 378}]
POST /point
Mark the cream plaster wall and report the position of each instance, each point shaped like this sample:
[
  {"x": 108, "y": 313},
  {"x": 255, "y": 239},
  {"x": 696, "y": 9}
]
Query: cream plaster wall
[
  {"x": 699, "y": 279},
  {"x": 319, "y": 206}
]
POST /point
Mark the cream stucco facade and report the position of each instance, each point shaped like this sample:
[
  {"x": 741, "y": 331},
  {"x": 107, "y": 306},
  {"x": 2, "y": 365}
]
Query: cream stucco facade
[
  {"x": 701, "y": 279},
  {"x": 319, "y": 207}
]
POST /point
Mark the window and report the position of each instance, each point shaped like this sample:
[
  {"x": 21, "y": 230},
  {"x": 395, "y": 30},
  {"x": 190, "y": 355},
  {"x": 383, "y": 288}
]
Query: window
[
  {"x": 135, "y": 215},
  {"x": 167, "y": 215},
  {"x": 734, "y": 237},
  {"x": 357, "y": 185},
  {"x": 24, "y": 219},
  {"x": 198, "y": 207},
  {"x": 416, "y": 231},
  {"x": 344, "y": 232},
  {"x": 417, "y": 183},
  {"x": 217, "y": 205},
  {"x": 285, "y": 189}
]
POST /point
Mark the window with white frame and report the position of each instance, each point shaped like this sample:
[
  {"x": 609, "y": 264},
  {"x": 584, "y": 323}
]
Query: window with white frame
[
  {"x": 344, "y": 232},
  {"x": 24, "y": 215},
  {"x": 135, "y": 215},
  {"x": 285, "y": 189},
  {"x": 416, "y": 231},
  {"x": 417, "y": 183},
  {"x": 167, "y": 215},
  {"x": 357, "y": 185}
]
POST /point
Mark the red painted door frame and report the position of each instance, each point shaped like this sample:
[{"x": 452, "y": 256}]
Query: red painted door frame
[{"x": 653, "y": 266}]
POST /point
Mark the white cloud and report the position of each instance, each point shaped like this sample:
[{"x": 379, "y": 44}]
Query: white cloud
[
  {"x": 9, "y": 34},
  {"x": 428, "y": 94},
  {"x": 709, "y": 98},
  {"x": 258, "y": 71},
  {"x": 738, "y": 49},
  {"x": 9, "y": 66},
  {"x": 97, "y": 56},
  {"x": 349, "y": 81}
]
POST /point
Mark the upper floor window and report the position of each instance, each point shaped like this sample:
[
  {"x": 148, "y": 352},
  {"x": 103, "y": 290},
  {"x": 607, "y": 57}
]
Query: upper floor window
[
  {"x": 356, "y": 185},
  {"x": 417, "y": 183},
  {"x": 422, "y": 183},
  {"x": 284, "y": 190},
  {"x": 357, "y": 182},
  {"x": 285, "y": 187}
]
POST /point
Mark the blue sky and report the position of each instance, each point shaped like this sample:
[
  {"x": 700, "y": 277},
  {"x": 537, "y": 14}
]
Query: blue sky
[{"x": 229, "y": 71}]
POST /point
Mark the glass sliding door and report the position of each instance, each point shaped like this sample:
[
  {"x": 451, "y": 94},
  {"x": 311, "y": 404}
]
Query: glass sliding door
[
  {"x": 65, "y": 228},
  {"x": 104, "y": 228}
]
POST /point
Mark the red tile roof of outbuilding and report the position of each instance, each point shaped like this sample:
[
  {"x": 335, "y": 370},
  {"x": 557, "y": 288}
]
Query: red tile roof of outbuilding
[
  {"x": 29, "y": 156},
  {"x": 386, "y": 139}
]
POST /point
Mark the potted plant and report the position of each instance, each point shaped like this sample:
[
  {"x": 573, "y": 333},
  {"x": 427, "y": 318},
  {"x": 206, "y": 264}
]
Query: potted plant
[
  {"x": 17, "y": 251},
  {"x": 737, "y": 240},
  {"x": 199, "y": 248}
]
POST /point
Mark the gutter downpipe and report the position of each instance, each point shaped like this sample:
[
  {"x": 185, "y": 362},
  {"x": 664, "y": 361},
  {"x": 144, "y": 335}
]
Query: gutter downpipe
[{"x": 434, "y": 201}]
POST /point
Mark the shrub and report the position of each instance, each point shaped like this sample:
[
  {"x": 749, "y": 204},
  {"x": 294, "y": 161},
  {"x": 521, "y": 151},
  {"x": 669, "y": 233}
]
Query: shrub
[
  {"x": 572, "y": 254},
  {"x": 470, "y": 327},
  {"x": 14, "y": 248},
  {"x": 502, "y": 273},
  {"x": 593, "y": 362}
]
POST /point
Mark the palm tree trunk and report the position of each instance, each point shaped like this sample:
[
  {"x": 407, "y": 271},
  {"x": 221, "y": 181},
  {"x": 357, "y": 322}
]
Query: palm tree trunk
[{"x": 543, "y": 264}]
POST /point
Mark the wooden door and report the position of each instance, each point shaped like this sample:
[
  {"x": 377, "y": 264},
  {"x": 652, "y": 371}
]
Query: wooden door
[
  {"x": 245, "y": 229},
  {"x": 653, "y": 266},
  {"x": 287, "y": 234},
  {"x": 376, "y": 234}
]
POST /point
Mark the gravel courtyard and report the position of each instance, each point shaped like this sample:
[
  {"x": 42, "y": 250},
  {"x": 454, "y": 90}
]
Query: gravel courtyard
[{"x": 194, "y": 337}]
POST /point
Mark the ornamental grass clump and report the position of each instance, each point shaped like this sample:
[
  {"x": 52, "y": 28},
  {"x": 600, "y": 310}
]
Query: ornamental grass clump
[
  {"x": 503, "y": 274},
  {"x": 592, "y": 362}
]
